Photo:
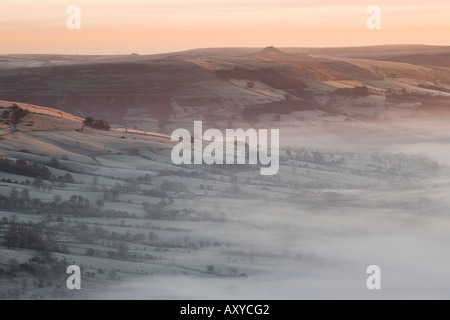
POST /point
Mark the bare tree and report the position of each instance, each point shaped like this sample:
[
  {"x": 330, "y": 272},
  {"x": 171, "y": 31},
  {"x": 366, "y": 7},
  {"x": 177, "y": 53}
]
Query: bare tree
[
  {"x": 14, "y": 265},
  {"x": 24, "y": 285}
]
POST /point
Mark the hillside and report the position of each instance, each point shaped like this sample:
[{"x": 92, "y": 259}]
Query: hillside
[
  {"x": 150, "y": 91},
  {"x": 112, "y": 202}
]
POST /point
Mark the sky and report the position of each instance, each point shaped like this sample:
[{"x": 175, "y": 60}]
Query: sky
[{"x": 156, "y": 26}]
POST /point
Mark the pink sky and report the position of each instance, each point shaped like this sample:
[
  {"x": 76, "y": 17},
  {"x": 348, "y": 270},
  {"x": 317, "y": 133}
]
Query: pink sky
[{"x": 151, "y": 26}]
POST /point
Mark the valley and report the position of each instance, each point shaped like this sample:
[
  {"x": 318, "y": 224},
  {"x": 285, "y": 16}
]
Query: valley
[{"x": 363, "y": 175}]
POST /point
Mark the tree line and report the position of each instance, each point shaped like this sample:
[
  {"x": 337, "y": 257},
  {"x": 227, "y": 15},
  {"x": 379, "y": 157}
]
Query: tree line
[
  {"x": 97, "y": 123},
  {"x": 24, "y": 168}
]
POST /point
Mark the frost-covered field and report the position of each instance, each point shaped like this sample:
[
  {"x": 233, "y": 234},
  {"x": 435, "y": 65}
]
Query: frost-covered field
[{"x": 348, "y": 195}]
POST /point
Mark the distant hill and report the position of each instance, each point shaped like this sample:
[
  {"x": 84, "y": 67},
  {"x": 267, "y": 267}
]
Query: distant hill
[
  {"x": 170, "y": 87},
  {"x": 437, "y": 59},
  {"x": 270, "y": 50}
]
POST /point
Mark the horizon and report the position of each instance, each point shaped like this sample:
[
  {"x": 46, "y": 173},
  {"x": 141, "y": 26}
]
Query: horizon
[
  {"x": 122, "y": 27},
  {"x": 232, "y": 47}
]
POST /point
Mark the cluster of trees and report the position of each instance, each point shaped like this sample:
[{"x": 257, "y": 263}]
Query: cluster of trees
[
  {"x": 85, "y": 234},
  {"x": 157, "y": 211},
  {"x": 269, "y": 76},
  {"x": 130, "y": 185},
  {"x": 400, "y": 162},
  {"x": 154, "y": 193},
  {"x": 307, "y": 156},
  {"x": 99, "y": 234},
  {"x": 173, "y": 186},
  {"x": 98, "y": 124},
  {"x": 38, "y": 171},
  {"x": 60, "y": 181},
  {"x": 54, "y": 163},
  {"x": 281, "y": 107},
  {"x": 46, "y": 270},
  {"x": 429, "y": 102},
  {"x": 88, "y": 234},
  {"x": 24, "y": 168},
  {"x": 433, "y": 87},
  {"x": 182, "y": 173},
  {"x": 75, "y": 205},
  {"x": 29, "y": 235},
  {"x": 234, "y": 190},
  {"x": 360, "y": 91},
  {"x": 406, "y": 96},
  {"x": 14, "y": 113},
  {"x": 18, "y": 200},
  {"x": 50, "y": 268},
  {"x": 81, "y": 206}
]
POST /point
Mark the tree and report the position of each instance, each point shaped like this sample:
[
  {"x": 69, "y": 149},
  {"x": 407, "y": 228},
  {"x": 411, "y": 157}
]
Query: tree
[
  {"x": 80, "y": 201},
  {"x": 12, "y": 235},
  {"x": 16, "y": 113},
  {"x": 68, "y": 177},
  {"x": 36, "y": 203},
  {"x": 54, "y": 163},
  {"x": 5, "y": 114},
  {"x": 57, "y": 198},
  {"x": 38, "y": 183},
  {"x": 14, "y": 265},
  {"x": 210, "y": 269},
  {"x": 13, "y": 194},
  {"x": 24, "y": 196},
  {"x": 131, "y": 185},
  {"x": 233, "y": 271},
  {"x": 100, "y": 203},
  {"x": 153, "y": 237},
  {"x": 102, "y": 124},
  {"x": 74, "y": 200},
  {"x": 116, "y": 190},
  {"x": 89, "y": 121},
  {"x": 24, "y": 285},
  {"x": 122, "y": 250}
]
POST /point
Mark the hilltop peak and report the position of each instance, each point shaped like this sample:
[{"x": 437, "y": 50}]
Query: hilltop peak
[{"x": 270, "y": 50}]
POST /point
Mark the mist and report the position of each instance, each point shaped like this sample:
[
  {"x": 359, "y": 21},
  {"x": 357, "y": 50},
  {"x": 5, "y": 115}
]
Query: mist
[{"x": 320, "y": 248}]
